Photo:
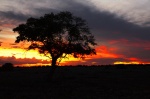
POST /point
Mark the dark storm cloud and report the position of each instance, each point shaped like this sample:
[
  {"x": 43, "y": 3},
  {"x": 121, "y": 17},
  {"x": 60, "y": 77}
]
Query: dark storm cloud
[
  {"x": 109, "y": 26},
  {"x": 10, "y": 19},
  {"x": 146, "y": 24},
  {"x": 103, "y": 24},
  {"x": 14, "y": 16},
  {"x": 42, "y": 11}
]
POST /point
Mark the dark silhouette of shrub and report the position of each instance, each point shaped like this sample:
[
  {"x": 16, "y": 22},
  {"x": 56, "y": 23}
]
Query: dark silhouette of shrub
[
  {"x": 121, "y": 66},
  {"x": 7, "y": 67}
]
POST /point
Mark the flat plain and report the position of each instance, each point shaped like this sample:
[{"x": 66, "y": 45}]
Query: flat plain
[{"x": 92, "y": 82}]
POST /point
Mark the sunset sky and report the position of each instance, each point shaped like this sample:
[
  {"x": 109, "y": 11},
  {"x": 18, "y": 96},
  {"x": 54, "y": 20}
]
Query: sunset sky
[{"x": 121, "y": 29}]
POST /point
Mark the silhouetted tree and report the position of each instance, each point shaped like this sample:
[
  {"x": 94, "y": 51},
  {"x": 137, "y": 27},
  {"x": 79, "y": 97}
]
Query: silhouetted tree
[{"x": 57, "y": 35}]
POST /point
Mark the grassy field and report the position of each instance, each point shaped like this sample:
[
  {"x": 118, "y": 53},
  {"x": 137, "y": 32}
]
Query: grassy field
[{"x": 107, "y": 82}]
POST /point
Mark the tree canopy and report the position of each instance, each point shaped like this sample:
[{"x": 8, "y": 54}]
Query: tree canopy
[{"x": 57, "y": 35}]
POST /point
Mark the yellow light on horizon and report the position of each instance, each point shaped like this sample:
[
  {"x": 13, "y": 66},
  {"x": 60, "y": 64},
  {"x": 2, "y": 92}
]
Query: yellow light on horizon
[
  {"x": 19, "y": 53},
  {"x": 116, "y": 63}
]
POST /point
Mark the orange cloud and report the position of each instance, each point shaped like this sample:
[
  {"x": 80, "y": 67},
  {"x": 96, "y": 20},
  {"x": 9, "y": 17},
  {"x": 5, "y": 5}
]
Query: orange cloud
[
  {"x": 107, "y": 52},
  {"x": 133, "y": 59}
]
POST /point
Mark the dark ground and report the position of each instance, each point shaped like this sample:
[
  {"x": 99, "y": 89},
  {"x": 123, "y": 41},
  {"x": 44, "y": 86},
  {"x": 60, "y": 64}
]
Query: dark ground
[{"x": 132, "y": 82}]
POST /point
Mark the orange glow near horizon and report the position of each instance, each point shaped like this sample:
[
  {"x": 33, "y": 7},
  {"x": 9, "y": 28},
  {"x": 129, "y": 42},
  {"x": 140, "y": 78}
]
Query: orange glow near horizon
[
  {"x": 132, "y": 62},
  {"x": 19, "y": 53},
  {"x": 102, "y": 52},
  {"x": 31, "y": 65},
  {"x": 105, "y": 52},
  {"x": 116, "y": 63}
]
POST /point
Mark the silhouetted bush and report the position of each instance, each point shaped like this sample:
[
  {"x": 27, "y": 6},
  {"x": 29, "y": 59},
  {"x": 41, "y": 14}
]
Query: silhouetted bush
[
  {"x": 7, "y": 67},
  {"x": 121, "y": 66},
  {"x": 79, "y": 65}
]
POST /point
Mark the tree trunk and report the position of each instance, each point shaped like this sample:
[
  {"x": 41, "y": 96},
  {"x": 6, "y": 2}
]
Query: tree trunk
[
  {"x": 53, "y": 68},
  {"x": 54, "y": 62}
]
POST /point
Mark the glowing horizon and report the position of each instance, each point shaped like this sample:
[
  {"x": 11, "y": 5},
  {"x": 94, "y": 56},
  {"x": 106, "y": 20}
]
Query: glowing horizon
[
  {"x": 19, "y": 53},
  {"x": 22, "y": 54}
]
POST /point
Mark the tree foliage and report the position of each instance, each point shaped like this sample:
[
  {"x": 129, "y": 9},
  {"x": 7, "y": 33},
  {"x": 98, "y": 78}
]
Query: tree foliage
[{"x": 57, "y": 35}]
